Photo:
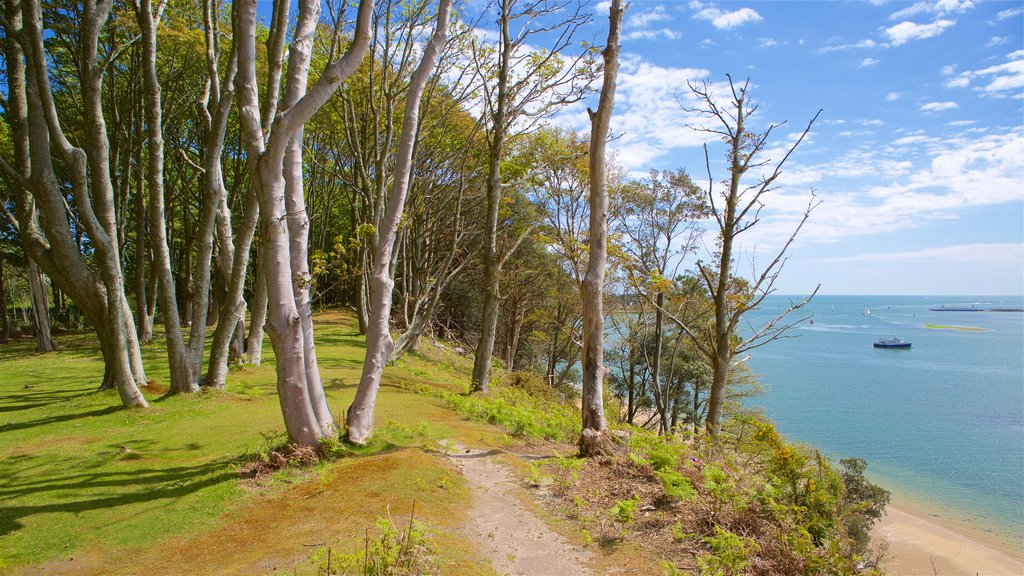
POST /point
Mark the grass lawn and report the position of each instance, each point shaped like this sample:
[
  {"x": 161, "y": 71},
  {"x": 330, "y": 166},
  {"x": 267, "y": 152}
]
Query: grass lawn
[{"x": 87, "y": 487}]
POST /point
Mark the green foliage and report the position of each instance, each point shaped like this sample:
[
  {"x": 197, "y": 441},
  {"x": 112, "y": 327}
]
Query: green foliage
[
  {"x": 677, "y": 485},
  {"x": 520, "y": 412},
  {"x": 721, "y": 488},
  {"x": 569, "y": 470},
  {"x": 670, "y": 569},
  {"x": 623, "y": 510},
  {"x": 678, "y": 534},
  {"x": 863, "y": 501},
  {"x": 394, "y": 552},
  {"x": 729, "y": 554}
]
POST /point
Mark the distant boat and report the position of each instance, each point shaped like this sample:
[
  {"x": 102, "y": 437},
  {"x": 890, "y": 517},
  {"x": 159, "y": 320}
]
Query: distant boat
[
  {"x": 867, "y": 311},
  {"x": 893, "y": 342}
]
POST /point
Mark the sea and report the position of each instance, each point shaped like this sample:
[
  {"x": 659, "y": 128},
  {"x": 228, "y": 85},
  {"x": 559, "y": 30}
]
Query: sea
[{"x": 941, "y": 425}]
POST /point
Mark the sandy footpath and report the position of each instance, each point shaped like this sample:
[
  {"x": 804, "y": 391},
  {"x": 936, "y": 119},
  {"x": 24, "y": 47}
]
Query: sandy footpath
[
  {"x": 516, "y": 542},
  {"x": 921, "y": 546}
]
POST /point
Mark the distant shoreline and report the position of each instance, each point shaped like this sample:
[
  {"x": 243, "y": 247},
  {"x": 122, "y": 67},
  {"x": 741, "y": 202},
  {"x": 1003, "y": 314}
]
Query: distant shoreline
[{"x": 921, "y": 542}]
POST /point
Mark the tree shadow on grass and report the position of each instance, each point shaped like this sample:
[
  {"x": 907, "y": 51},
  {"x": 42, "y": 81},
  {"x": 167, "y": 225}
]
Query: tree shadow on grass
[
  {"x": 149, "y": 484},
  {"x": 37, "y": 397},
  {"x": 11, "y": 426}
]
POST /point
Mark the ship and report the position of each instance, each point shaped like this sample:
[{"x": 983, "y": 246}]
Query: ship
[{"x": 893, "y": 342}]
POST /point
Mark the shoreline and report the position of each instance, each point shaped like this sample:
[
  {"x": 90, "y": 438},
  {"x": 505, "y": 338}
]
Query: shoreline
[{"x": 921, "y": 542}]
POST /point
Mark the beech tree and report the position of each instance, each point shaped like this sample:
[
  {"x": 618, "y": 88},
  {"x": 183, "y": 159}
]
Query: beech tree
[
  {"x": 216, "y": 106},
  {"x": 595, "y": 438},
  {"x": 735, "y": 210},
  {"x": 44, "y": 221},
  {"x": 378, "y": 331},
  {"x": 182, "y": 376},
  {"x": 275, "y": 160}
]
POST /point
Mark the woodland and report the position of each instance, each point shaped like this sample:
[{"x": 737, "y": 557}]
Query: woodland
[{"x": 222, "y": 223}]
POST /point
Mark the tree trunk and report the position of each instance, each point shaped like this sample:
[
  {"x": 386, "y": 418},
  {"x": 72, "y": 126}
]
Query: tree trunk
[
  {"x": 5, "y": 321},
  {"x": 40, "y": 308},
  {"x": 97, "y": 287},
  {"x": 143, "y": 321},
  {"x": 492, "y": 271},
  {"x": 304, "y": 420},
  {"x": 595, "y": 438},
  {"x": 181, "y": 372},
  {"x": 258, "y": 317},
  {"x": 232, "y": 307},
  {"x": 660, "y": 393},
  {"x": 378, "y": 336}
]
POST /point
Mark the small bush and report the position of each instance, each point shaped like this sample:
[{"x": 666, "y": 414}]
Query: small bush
[
  {"x": 677, "y": 485},
  {"x": 729, "y": 554},
  {"x": 394, "y": 552}
]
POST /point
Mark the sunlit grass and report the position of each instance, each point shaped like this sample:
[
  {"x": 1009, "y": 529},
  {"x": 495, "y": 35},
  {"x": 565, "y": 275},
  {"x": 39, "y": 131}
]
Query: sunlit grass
[{"x": 82, "y": 477}]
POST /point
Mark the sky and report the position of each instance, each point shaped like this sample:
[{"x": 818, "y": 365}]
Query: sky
[{"x": 917, "y": 157}]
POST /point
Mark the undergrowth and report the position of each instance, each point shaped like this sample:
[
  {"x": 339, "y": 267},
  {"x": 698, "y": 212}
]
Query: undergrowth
[
  {"x": 523, "y": 405},
  {"x": 392, "y": 551},
  {"x": 755, "y": 504}
]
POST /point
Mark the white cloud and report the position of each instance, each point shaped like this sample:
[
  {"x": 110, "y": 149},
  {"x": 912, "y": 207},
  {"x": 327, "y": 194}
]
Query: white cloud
[
  {"x": 863, "y": 44},
  {"x": 915, "y": 139},
  {"x": 958, "y": 82},
  {"x": 997, "y": 41},
  {"x": 961, "y": 122},
  {"x": 652, "y": 34},
  {"x": 939, "y": 8},
  {"x": 906, "y": 31},
  {"x": 866, "y": 192},
  {"x": 603, "y": 6},
  {"x": 938, "y": 106},
  {"x": 724, "y": 20},
  {"x": 643, "y": 18},
  {"x": 893, "y": 96},
  {"x": 768, "y": 43},
  {"x": 639, "y": 25},
  {"x": 1009, "y": 13},
  {"x": 647, "y": 114},
  {"x": 1000, "y": 80},
  {"x": 867, "y": 62}
]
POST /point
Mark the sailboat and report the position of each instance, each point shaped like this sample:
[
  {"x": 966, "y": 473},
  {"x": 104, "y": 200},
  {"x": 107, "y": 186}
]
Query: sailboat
[{"x": 867, "y": 311}]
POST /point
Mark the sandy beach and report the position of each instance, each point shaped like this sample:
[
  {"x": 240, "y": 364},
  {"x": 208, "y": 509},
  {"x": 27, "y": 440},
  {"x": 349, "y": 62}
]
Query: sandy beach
[{"x": 920, "y": 545}]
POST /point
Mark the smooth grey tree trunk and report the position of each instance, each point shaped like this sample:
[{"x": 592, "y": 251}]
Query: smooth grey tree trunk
[
  {"x": 40, "y": 308},
  {"x": 143, "y": 321},
  {"x": 181, "y": 373},
  {"x": 96, "y": 288},
  {"x": 595, "y": 438},
  {"x": 5, "y": 321},
  {"x": 378, "y": 334},
  {"x": 219, "y": 97},
  {"x": 303, "y": 421},
  {"x": 257, "y": 319}
]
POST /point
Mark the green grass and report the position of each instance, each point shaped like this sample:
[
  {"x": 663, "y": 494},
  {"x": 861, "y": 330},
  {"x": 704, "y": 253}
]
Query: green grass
[{"x": 79, "y": 475}]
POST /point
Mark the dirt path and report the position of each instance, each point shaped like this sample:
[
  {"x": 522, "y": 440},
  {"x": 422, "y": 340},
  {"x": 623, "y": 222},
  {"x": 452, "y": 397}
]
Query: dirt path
[{"x": 517, "y": 542}]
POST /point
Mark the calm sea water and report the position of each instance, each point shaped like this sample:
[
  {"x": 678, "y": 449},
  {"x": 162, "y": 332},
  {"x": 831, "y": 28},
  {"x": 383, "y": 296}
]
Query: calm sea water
[{"x": 941, "y": 424}]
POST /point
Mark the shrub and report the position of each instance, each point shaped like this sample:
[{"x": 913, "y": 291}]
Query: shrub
[
  {"x": 677, "y": 485},
  {"x": 729, "y": 553}
]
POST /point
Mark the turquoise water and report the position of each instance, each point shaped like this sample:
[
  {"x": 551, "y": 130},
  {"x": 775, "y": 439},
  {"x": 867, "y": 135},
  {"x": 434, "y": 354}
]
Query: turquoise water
[{"x": 941, "y": 424}]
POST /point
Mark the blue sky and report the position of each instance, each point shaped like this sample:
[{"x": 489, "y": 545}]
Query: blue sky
[{"x": 918, "y": 157}]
